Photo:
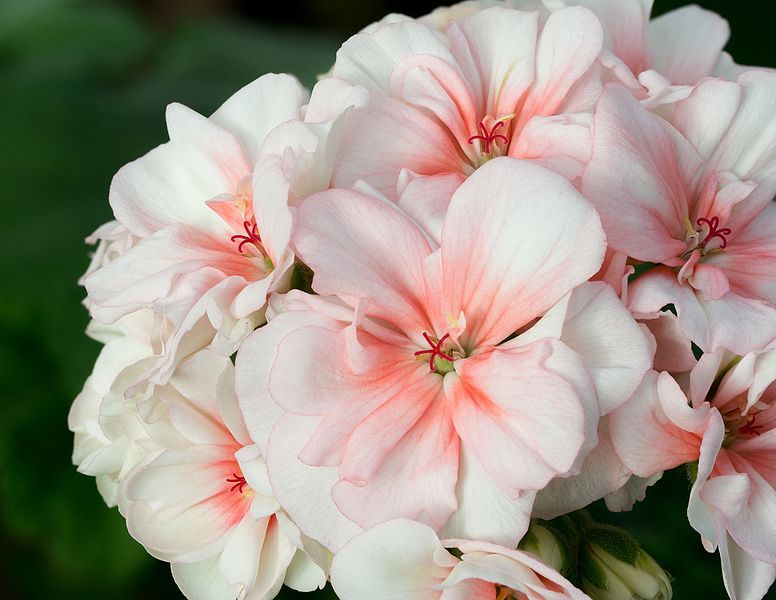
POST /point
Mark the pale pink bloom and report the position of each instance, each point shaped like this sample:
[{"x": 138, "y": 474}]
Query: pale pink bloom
[
  {"x": 402, "y": 390},
  {"x": 210, "y": 211},
  {"x": 113, "y": 240},
  {"x": 405, "y": 560},
  {"x": 694, "y": 198},
  {"x": 658, "y": 59},
  {"x": 495, "y": 82},
  {"x": 204, "y": 503},
  {"x": 111, "y": 437},
  {"x": 679, "y": 48},
  {"x": 729, "y": 427}
]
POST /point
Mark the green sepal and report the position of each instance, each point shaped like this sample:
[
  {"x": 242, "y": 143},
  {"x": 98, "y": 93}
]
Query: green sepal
[
  {"x": 302, "y": 277},
  {"x": 614, "y": 541}
]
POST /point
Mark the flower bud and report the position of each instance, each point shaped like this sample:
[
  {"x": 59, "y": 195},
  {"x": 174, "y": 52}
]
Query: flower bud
[
  {"x": 613, "y": 567},
  {"x": 547, "y": 545}
]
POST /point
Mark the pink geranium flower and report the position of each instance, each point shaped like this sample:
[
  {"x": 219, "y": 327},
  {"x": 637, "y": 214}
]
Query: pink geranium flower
[
  {"x": 694, "y": 198},
  {"x": 208, "y": 214},
  {"x": 406, "y": 560},
  {"x": 406, "y": 392},
  {"x": 680, "y": 47},
  {"x": 496, "y": 82},
  {"x": 201, "y": 500},
  {"x": 728, "y": 427}
]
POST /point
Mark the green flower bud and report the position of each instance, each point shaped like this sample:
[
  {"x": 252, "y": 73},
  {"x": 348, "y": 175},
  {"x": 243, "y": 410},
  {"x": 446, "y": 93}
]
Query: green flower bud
[
  {"x": 545, "y": 544},
  {"x": 613, "y": 567}
]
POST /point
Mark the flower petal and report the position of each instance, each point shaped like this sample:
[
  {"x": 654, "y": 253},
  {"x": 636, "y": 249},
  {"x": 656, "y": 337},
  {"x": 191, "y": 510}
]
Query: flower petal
[
  {"x": 516, "y": 239},
  {"x": 360, "y": 247},
  {"x": 634, "y": 179},
  {"x": 397, "y": 560},
  {"x": 685, "y": 44},
  {"x": 523, "y": 422}
]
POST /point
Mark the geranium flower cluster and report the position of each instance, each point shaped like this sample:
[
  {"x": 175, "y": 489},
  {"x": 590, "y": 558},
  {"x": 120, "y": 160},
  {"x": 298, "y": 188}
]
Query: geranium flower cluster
[{"x": 503, "y": 261}]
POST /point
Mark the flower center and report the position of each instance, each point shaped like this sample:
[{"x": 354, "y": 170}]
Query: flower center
[
  {"x": 438, "y": 361},
  {"x": 238, "y": 481},
  {"x": 252, "y": 238},
  {"x": 713, "y": 232},
  {"x": 741, "y": 427},
  {"x": 490, "y": 137}
]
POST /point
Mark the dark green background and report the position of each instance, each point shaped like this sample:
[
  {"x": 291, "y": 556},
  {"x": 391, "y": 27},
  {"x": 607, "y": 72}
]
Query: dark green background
[{"x": 83, "y": 86}]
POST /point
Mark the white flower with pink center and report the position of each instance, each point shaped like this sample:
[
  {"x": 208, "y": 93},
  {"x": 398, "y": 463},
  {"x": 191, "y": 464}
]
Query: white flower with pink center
[
  {"x": 695, "y": 199},
  {"x": 410, "y": 394},
  {"x": 203, "y": 503},
  {"x": 209, "y": 211},
  {"x": 729, "y": 427},
  {"x": 496, "y": 82},
  {"x": 656, "y": 59}
]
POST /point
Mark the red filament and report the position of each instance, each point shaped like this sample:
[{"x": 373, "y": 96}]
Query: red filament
[
  {"x": 436, "y": 350},
  {"x": 714, "y": 231},
  {"x": 252, "y": 237},
  {"x": 489, "y": 137},
  {"x": 238, "y": 481},
  {"x": 750, "y": 428}
]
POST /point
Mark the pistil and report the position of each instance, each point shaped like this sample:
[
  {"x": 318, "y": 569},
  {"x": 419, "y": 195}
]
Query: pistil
[
  {"x": 438, "y": 360},
  {"x": 238, "y": 481}
]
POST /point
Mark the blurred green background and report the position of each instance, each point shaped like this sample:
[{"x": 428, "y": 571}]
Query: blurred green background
[{"x": 83, "y": 86}]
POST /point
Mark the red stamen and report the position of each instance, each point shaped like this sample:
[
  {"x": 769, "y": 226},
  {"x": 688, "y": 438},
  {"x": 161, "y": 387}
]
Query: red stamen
[
  {"x": 489, "y": 137},
  {"x": 253, "y": 237},
  {"x": 712, "y": 224},
  {"x": 750, "y": 428},
  {"x": 436, "y": 350},
  {"x": 238, "y": 481}
]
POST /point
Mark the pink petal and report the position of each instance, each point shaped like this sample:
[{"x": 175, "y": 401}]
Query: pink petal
[
  {"x": 602, "y": 474},
  {"x": 625, "y": 25},
  {"x": 748, "y": 148},
  {"x": 733, "y": 322},
  {"x": 398, "y": 560},
  {"x": 415, "y": 480},
  {"x": 304, "y": 492},
  {"x": 656, "y": 429},
  {"x": 495, "y": 48},
  {"x": 435, "y": 86},
  {"x": 634, "y": 180},
  {"x": 594, "y": 323},
  {"x": 524, "y": 423},
  {"x": 484, "y": 511},
  {"x": 180, "y": 506},
  {"x": 685, "y": 44},
  {"x": 710, "y": 281},
  {"x": 507, "y": 260},
  {"x": 259, "y": 107},
  {"x": 369, "y": 58},
  {"x": 387, "y": 136},
  {"x": 752, "y": 527},
  {"x": 426, "y": 199},
  {"x": 359, "y": 247},
  {"x": 570, "y": 43},
  {"x": 512, "y": 568},
  {"x": 744, "y": 576},
  {"x": 561, "y": 143},
  {"x": 331, "y": 388},
  {"x": 674, "y": 352},
  {"x": 174, "y": 267},
  {"x": 254, "y": 361},
  {"x": 172, "y": 183}
]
